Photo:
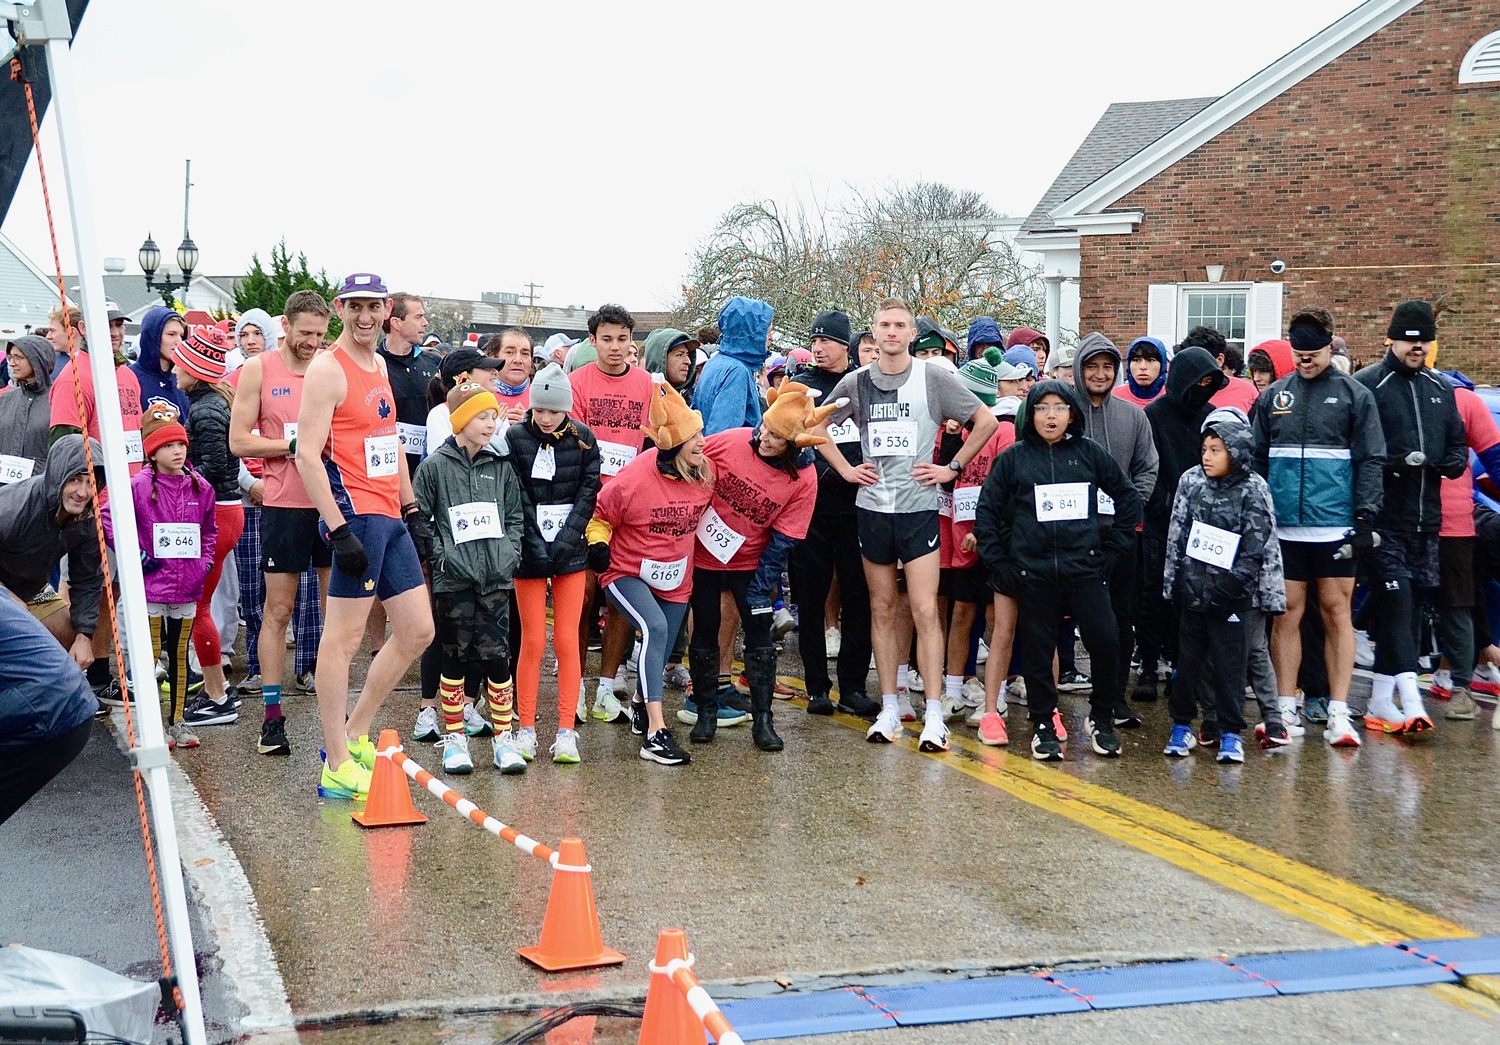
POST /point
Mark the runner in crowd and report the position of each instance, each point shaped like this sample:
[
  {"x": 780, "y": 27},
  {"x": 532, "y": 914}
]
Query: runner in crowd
[
  {"x": 1026, "y": 337},
  {"x": 512, "y": 347},
  {"x": 25, "y": 409},
  {"x": 1145, "y": 371}
]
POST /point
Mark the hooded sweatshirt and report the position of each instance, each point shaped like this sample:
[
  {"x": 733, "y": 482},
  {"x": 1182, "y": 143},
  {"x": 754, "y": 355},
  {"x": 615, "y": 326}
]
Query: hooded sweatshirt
[
  {"x": 156, "y": 383},
  {"x": 1176, "y": 423},
  {"x": 726, "y": 394},
  {"x": 258, "y": 318},
  {"x": 1240, "y": 504},
  {"x": 26, "y": 414},
  {"x": 1117, "y": 424},
  {"x": 983, "y": 332},
  {"x": 1140, "y": 395},
  {"x": 33, "y": 541},
  {"x": 654, "y": 356},
  {"x": 1027, "y": 487},
  {"x": 1280, "y": 353}
]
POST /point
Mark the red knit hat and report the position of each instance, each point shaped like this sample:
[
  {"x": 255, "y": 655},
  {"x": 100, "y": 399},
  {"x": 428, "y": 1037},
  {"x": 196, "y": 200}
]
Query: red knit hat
[
  {"x": 159, "y": 426},
  {"x": 202, "y": 354}
]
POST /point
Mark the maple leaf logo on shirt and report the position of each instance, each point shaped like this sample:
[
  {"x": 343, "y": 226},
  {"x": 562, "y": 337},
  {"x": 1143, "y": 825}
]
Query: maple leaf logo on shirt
[{"x": 384, "y": 409}]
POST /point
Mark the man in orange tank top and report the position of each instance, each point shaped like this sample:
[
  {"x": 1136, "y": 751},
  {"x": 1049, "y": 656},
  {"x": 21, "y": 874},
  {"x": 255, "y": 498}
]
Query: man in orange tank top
[{"x": 349, "y": 456}]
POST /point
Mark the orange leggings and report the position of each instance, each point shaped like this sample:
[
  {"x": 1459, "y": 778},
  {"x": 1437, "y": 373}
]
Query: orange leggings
[{"x": 567, "y": 611}]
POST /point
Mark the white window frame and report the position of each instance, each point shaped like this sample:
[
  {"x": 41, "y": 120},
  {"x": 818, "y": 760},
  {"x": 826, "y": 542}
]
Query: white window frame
[
  {"x": 1166, "y": 309},
  {"x": 1184, "y": 289},
  {"x": 1467, "y": 72}
]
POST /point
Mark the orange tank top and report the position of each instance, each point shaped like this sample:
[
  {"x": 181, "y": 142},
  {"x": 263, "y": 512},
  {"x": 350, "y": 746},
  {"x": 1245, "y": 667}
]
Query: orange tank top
[
  {"x": 280, "y": 399},
  {"x": 364, "y": 450}
]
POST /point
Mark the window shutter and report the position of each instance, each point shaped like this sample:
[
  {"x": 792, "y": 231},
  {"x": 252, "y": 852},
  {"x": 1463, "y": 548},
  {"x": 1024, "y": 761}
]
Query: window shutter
[
  {"x": 1482, "y": 63},
  {"x": 1264, "y": 314},
  {"x": 1161, "y": 313}
]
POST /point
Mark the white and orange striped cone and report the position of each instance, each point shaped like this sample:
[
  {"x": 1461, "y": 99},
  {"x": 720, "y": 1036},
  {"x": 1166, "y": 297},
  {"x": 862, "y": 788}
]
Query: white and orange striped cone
[{"x": 570, "y": 929}]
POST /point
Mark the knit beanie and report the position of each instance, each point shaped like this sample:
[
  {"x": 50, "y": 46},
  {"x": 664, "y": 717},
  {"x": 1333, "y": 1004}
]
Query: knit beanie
[
  {"x": 791, "y": 413},
  {"x": 1413, "y": 321},
  {"x": 159, "y": 426},
  {"x": 551, "y": 389},
  {"x": 982, "y": 376},
  {"x": 202, "y": 354},
  {"x": 467, "y": 401},
  {"x": 672, "y": 421}
]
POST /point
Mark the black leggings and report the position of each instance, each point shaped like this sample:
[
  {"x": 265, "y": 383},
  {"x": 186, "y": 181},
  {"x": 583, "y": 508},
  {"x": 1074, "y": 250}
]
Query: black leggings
[{"x": 707, "y": 584}]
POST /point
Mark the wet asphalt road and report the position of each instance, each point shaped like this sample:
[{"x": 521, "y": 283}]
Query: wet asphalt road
[{"x": 840, "y": 859}]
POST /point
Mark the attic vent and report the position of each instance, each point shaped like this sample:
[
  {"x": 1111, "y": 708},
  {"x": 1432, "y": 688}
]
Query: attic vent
[{"x": 1482, "y": 63}]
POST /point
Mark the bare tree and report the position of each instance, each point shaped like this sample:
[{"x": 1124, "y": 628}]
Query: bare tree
[
  {"x": 937, "y": 247},
  {"x": 448, "y": 319}
]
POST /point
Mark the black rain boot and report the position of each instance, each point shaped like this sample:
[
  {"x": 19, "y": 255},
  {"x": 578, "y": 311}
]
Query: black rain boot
[
  {"x": 703, "y": 666},
  {"x": 760, "y": 672}
]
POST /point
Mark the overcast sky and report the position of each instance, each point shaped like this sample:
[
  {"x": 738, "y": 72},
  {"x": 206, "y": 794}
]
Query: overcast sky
[{"x": 456, "y": 147}]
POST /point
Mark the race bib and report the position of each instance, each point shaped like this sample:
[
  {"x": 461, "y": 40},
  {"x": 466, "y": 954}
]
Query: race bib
[
  {"x": 1106, "y": 503},
  {"x": 551, "y": 518},
  {"x": 721, "y": 540},
  {"x": 288, "y": 430},
  {"x": 413, "y": 438},
  {"x": 1212, "y": 545},
  {"x": 893, "y": 438},
  {"x": 381, "y": 455},
  {"x": 1059, "y": 502},
  {"x": 848, "y": 432},
  {"x": 965, "y": 503},
  {"x": 133, "y": 452},
  {"x": 175, "y": 541},
  {"x": 14, "y": 469},
  {"x": 614, "y": 456},
  {"x": 545, "y": 465},
  {"x": 945, "y": 503},
  {"x": 664, "y": 576},
  {"x": 475, "y": 521}
]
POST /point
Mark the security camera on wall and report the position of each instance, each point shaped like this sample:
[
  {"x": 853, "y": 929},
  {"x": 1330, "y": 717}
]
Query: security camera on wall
[{"x": 1278, "y": 266}]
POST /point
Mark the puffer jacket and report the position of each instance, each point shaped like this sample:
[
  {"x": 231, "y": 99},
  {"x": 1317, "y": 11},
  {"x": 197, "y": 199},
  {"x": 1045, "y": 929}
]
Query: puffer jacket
[
  {"x": 1240, "y": 503},
  {"x": 449, "y": 476},
  {"x": 1418, "y": 415},
  {"x": 208, "y": 442},
  {"x": 26, "y": 409},
  {"x": 1320, "y": 447},
  {"x": 32, "y": 541},
  {"x": 1057, "y": 551},
  {"x": 185, "y": 498},
  {"x": 576, "y": 482},
  {"x": 1176, "y": 419}
]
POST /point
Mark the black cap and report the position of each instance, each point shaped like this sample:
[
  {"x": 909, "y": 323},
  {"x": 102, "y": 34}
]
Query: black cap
[
  {"x": 466, "y": 360},
  {"x": 832, "y": 325},
  {"x": 1413, "y": 321}
]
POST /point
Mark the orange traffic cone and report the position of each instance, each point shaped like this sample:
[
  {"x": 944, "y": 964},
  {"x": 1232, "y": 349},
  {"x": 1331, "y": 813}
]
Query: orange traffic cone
[
  {"x": 669, "y": 1019},
  {"x": 389, "y": 802},
  {"x": 570, "y": 928}
]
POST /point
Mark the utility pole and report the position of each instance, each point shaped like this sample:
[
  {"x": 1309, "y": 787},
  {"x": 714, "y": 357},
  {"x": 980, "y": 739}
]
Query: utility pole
[{"x": 532, "y": 288}]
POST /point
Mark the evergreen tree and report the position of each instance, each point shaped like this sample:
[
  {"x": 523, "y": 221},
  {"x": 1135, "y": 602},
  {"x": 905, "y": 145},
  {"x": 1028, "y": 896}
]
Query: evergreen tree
[{"x": 269, "y": 290}]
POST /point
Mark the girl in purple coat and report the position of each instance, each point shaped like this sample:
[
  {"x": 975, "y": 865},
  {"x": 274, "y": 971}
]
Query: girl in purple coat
[{"x": 174, "y": 521}]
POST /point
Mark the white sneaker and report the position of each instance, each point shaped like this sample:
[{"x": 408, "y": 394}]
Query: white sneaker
[
  {"x": 934, "y": 735},
  {"x": 1383, "y": 714},
  {"x": 565, "y": 748},
  {"x": 1017, "y": 687},
  {"x": 526, "y": 742},
  {"x": 1488, "y": 672},
  {"x": 782, "y": 623},
  {"x": 984, "y": 652},
  {"x": 475, "y": 724},
  {"x": 887, "y": 728},
  {"x": 1340, "y": 731},
  {"x": 508, "y": 757},
  {"x": 1364, "y": 650},
  {"x": 976, "y": 717},
  {"x": 455, "y": 749},
  {"x": 914, "y": 682},
  {"x": 973, "y": 694},
  {"x": 607, "y": 708},
  {"x": 1442, "y": 680},
  {"x": 903, "y": 703},
  {"x": 582, "y": 714},
  {"x": 833, "y": 639},
  {"x": 427, "y": 725}
]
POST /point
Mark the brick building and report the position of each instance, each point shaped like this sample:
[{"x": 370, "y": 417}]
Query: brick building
[{"x": 1360, "y": 169}]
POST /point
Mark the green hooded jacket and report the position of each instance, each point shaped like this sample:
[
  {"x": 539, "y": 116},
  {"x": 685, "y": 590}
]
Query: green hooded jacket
[
  {"x": 654, "y": 356},
  {"x": 448, "y": 477}
]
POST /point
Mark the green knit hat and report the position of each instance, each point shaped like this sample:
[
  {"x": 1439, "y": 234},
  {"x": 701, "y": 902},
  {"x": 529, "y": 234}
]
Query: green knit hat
[{"x": 981, "y": 375}]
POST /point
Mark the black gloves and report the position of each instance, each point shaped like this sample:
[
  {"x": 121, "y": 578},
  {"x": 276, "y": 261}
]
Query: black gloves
[
  {"x": 348, "y": 554},
  {"x": 1362, "y": 541},
  {"x": 598, "y": 556},
  {"x": 421, "y": 534}
]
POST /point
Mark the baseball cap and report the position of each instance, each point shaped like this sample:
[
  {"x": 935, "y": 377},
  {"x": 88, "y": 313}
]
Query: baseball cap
[
  {"x": 465, "y": 360},
  {"x": 557, "y": 341},
  {"x": 114, "y": 311},
  {"x": 362, "y": 285}
]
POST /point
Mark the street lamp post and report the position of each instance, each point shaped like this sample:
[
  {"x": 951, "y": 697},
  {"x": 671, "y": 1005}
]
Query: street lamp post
[{"x": 187, "y": 251}]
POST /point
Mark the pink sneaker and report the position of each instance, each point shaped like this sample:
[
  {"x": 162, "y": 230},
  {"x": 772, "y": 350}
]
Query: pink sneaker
[
  {"x": 992, "y": 730},
  {"x": 1057, "y": 724}
]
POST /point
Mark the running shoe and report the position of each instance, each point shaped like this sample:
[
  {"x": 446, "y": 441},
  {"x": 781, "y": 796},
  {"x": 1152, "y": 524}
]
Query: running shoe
[
  {"x": 1045, "y": 745},
  {"x": 1272, "y": 734},
  {"x": 914, "y": 683},
  {"x": 1058, "y": 727},
  {"x": 475, "y": 724},
  {"x": 607, "y": 708},
  {"x": 1364, "y": 650},
  {"x": 202, "y": 711},
  {"x": 181, "y": 735},
  {"x": 1074, "y": 682},
  {"x": 1017, "y": 687},
  {"x": 858, "y": 704},
  {"x": 688, "y": 716},
  {"x": 833, "y": 641},
  {"x": 934, "y": 735},
  {"x": 972, "y": 694},
  {"x": 992, "y": 730},
  {"x": 362, "y": 751},
  {"x": 1340, "y": 731},
  {"x": 110, "y": 694},
  {"x": 350, "y": 780},
  {"x": 662, "y": 747},
  {"x": 903, "y": 706},
  {"x": 507, "y": 756},
  {"x": 526, "y": 743},
  {"x": 819, "y": 704},
  {"x": 1442, "y": 683},
  {"x": 1208, "y": 734},
  {"x": 954, "y": 707},
  {"x": 638, "y": 718},
  {"x": 1231, "y": 749},
  {"x": 273, "y": 737},
  {"x": 1315, "y": 710},
  {"x": 782, "y": 623},
  {"x": 455, "y": 751},
  {"x": 1103, "y": 738},
  {"x": 983, "y": 655},
  {"x": 976, "y": 717},
  {"x": 581, "y": 714},
  {"x": 565, "y": 748},
  {"x": 1417, "y": 718},
  {"x": 1486, "y": 680},
  {"x": 1460, "y": 705},
  {"x": 250, "y": 685},
  {"x": 1384, "y": 716},
  {"x": 887, "y": 728},
  {"x": 427, "y": 725},
  {"x": 741, "y": 688},
  {"x": 676, "y": 676},
  {"x": 305, "y": 683},
  {"x": 1124, "y": 718},
  {"x": 1181, "y": 743}
]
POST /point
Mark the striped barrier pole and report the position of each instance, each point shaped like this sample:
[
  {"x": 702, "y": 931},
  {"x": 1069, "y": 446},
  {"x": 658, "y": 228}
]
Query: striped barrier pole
[{"x": 665, "y": 1022}]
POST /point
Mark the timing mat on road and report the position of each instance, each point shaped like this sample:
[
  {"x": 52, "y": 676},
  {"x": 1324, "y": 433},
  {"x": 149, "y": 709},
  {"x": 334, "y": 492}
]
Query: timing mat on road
[{"x": 856, "y": 1008}]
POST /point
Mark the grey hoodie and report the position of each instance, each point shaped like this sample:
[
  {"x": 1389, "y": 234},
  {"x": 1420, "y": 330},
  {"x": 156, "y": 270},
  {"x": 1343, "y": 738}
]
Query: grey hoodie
[
  {"x": 26, "y": 409},
  {"x": 1118, "y": 426}
]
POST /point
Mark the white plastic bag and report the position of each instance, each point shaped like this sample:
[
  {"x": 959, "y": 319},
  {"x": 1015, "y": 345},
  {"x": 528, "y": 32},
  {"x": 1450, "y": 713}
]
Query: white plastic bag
[{"x": 109, "y": 1003}]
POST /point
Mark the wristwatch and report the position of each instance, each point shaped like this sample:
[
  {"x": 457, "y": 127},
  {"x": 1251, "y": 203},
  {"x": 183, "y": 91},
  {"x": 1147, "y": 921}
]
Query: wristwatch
[{"x": 958, "y": 469}]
